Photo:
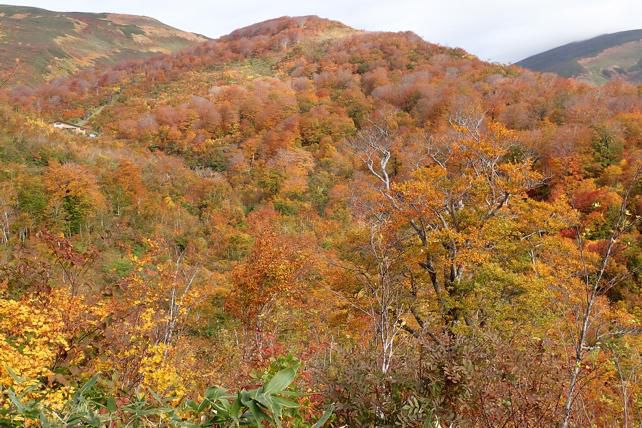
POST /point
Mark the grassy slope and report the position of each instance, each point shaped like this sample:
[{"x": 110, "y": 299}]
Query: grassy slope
[
  {"x": 52, "y": 44},
  {"x": 596, "y": 60}
]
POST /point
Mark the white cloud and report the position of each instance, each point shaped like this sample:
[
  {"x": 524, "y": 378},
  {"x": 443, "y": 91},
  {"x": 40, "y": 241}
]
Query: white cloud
[{"x": 497, "y": 30}]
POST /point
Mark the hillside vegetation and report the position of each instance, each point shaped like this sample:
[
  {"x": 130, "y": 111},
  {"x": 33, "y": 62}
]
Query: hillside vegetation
[
  {"x": 596, "y": 60},
  {"x": 38, "y": 44},
  {"x": 433, "y": 239}
]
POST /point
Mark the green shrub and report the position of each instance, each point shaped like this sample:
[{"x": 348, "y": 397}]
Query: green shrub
[{"x": 90, "y": 406}]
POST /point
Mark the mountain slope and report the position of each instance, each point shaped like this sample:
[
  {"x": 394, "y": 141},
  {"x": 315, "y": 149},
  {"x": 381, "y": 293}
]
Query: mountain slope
[
  {"x": 42, "y": 44},
  {"x": 302, "y": 189},
  {"x": 597, "y": 60}
]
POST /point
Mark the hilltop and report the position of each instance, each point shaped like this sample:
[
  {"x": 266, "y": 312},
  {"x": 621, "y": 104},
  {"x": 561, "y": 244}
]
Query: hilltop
[
  {"x": 46, "y": 44},
  {"x": 596, "y": 60}
]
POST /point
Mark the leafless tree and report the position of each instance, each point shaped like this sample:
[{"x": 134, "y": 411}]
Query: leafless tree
[
  {"x": 595, "y": 286},
  {"x": 183, "y": 279}
]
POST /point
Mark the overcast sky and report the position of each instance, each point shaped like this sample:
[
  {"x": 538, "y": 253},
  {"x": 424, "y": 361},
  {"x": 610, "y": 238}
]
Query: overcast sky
[{"x": 496, "y": 30}]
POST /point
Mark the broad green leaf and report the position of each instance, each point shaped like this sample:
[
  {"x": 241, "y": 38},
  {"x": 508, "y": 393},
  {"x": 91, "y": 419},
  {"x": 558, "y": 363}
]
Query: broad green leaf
[
  {"x": 280, "y": 381},
  {"x": 16, "y": 378},
  {"x": 215, "y": 393},
  {"x": 321, "y": 422},
  {"x": 111, "y": 404},
  {"x": 16, "y": 401},
  {"x": 87, "y": 386},
  {"x": 234, "y": 410},
  {"x": 44, "y": 421},
  {"x": 283, "y": 402},
  {"x": 257, "y": 413},
  {"x": 264, "y": 400}
]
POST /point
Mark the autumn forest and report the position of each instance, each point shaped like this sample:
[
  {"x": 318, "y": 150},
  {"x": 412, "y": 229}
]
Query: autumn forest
[{"x": 301, "y": 224}]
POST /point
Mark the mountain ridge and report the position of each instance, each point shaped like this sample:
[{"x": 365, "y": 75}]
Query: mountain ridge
[
  {"x": 38, "y": 45},
  {"x": 596, "y": 60}
]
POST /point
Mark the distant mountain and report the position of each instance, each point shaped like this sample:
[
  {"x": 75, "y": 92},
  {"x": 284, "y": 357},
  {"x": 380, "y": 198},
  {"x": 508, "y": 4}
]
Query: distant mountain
[
  {"x": 42, "y": 44},
  {"x": 597, "y": 60}
]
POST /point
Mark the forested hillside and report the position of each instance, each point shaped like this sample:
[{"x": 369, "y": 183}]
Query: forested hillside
[{"x": 427, "y": 238}]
